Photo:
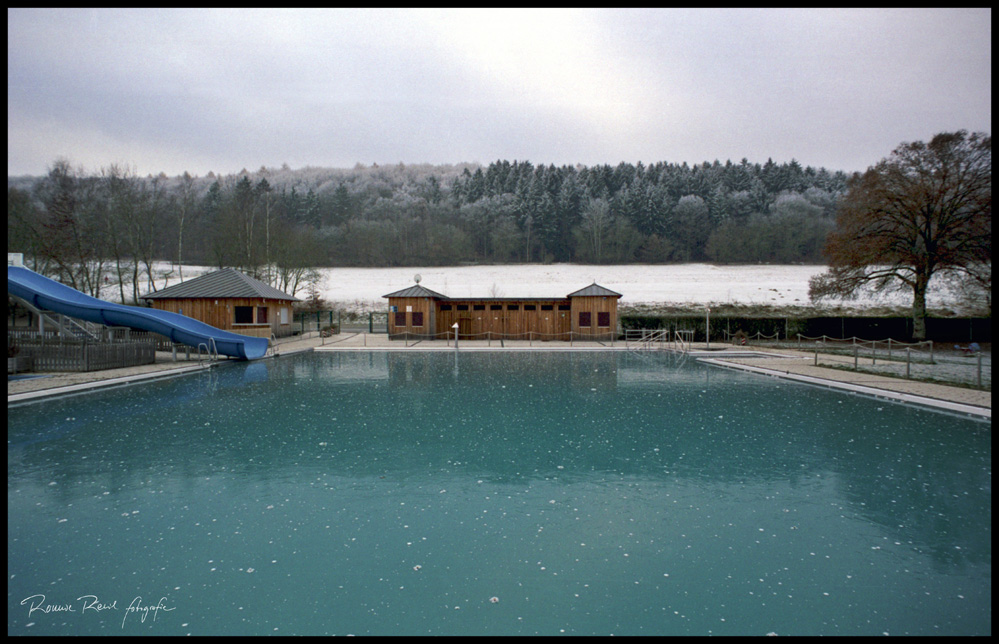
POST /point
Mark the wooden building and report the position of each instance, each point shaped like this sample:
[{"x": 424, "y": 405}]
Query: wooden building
[
  {"x": 587, "y": 314},
  {"x": 229, "y": 300}
]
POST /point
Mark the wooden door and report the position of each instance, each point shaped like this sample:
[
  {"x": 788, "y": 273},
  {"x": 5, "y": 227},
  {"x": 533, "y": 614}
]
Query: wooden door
[{"x": 465, "y": 327}]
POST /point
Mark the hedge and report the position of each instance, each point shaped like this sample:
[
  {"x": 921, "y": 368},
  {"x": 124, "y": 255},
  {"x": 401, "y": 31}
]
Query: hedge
[{"x": 868, "y": 328}]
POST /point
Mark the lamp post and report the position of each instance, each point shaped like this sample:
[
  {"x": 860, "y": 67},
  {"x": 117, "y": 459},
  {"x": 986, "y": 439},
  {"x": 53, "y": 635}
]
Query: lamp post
[
  {"x": 455, "y": 327},
  {"x": 707, "y": 331}
]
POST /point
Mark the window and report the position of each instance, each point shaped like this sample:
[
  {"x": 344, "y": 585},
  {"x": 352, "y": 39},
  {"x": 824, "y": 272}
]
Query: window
[
  {"x": 243, "y": 314},
  {"x": 584, "y": 318},
  {"x": 445, "y": 307},
  {"x": 479, "y": 307},
  {"x": 512, "y": 307},
  {"x": 529, "y": 307},
  {"x": 547, "y": 307},
  {"x": 261, "y": 315},
  {"x": 400, "y": 318},
  {"x": 284, "y": 315},
  {"x": 417, "y": 318},
  {"x": 564, "y": 307},
  {"x": 462, "y": 307},
  {"x": 495, "y": 307},
  {"x": 603, "y": 318}
]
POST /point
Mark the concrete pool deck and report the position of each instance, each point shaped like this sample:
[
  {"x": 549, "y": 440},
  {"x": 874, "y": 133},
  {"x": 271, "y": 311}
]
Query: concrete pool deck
[{"x": 782, "y": 363}]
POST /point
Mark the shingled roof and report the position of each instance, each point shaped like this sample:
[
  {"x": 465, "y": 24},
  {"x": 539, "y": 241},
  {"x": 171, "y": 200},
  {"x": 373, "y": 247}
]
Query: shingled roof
[
  {"x": 225, "y": 283},
  {"x": 594, "y": 290},
  {"x": 417, "y": 291}
]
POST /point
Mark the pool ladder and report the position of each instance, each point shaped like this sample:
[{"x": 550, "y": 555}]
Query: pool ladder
[
  {"x": 646, "y": 339},
  {"x": 210, "y": 350}
]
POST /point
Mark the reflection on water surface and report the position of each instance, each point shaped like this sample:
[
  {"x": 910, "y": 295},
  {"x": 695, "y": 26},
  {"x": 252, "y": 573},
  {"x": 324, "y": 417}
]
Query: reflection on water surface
[{"x": 589, "y": 493}]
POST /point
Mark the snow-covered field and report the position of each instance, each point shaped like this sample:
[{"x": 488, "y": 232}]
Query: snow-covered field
[{"x": 361, "y": 289}]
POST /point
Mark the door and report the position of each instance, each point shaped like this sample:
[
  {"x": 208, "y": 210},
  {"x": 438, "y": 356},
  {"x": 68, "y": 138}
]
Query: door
[{"x": 465, "y": 327}]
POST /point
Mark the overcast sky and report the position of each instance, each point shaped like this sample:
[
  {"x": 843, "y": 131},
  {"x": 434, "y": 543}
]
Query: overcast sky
[{"x": 199, "y": 90}]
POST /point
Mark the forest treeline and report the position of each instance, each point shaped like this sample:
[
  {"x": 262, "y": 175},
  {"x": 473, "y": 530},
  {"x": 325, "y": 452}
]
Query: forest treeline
[{"x": 279, "y": 223}]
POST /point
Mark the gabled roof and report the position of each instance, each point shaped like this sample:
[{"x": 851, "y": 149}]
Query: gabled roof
[
  {"x": 417, "y": 291},
  {"x": 227, "y": 282},
  {"x": 594, "y": 290}
]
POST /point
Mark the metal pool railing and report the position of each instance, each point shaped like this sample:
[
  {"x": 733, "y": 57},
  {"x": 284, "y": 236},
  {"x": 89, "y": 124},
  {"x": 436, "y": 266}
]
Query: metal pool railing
[
  {"x": 530, "y": 336},
  {"x": 923, "y": 361}
]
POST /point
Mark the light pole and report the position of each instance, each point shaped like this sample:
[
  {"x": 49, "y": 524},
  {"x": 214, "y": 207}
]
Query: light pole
[
  {"x": 707, "y": 331},
  {"x": 455, "y": 327}
]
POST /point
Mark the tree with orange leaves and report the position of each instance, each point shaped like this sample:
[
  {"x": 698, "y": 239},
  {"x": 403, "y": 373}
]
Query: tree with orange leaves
[{"x": 925, "y": 210}]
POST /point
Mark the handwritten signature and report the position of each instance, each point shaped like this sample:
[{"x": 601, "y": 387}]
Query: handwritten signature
[{"x": 93, "y": 603}]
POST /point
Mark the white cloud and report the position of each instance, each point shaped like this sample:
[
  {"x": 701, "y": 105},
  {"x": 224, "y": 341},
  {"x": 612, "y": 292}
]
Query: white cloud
[{"x": 837, "y": 88}]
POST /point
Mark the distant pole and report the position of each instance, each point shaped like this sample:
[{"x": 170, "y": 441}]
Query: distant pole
[
  {"x": 707, "y": 330},
  {"x": 455, "y": 327}
]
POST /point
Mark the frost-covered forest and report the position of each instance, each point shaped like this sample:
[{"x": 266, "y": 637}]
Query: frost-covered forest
[{"x": 422, "y": 215}]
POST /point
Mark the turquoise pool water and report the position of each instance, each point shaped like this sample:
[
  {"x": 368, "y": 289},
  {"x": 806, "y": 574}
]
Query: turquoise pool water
[{"x": 494, "y": 494}]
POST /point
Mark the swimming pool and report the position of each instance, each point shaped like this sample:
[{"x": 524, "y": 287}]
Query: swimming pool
[{"x": 495, "y": 494}]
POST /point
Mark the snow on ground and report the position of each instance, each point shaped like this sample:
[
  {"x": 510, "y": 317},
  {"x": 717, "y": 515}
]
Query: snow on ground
[
  {"x": 361, "y": 289},
  {"x": 638, "y": 283}
]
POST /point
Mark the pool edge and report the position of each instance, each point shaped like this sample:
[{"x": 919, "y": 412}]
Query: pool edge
[{"x": 984, "y": 413}]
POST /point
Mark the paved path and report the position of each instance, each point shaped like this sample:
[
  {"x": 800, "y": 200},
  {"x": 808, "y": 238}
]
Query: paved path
[
  {"x": 836, "y": 372},
  {"x": 787, "y": 363}
]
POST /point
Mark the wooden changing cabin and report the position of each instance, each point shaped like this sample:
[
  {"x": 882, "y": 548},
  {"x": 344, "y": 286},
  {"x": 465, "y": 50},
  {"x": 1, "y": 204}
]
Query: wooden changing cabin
[
  {"x": 231, "y": 301},
  {"x": 419, "y": 313}
]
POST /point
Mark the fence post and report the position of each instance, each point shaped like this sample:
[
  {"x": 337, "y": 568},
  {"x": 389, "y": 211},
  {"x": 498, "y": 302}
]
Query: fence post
[
  {"x": 908, "y": 356},
  {"x": 979, "y": 380},
  {"x": 855, "y": 354}
]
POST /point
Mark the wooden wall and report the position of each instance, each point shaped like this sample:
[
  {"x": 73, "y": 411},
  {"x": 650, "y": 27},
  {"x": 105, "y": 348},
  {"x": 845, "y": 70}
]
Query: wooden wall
[
  {"x": 594, "y": 306},
  {"x": 504, "y": 318},
  {"x": 220, "y": 313},
  {"x": 481, "y": 320},
  {"x": 406, "y": 306}
]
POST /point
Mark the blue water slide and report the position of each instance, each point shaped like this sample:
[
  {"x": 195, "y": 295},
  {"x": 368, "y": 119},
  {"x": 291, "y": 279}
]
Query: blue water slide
[{"x": 50, "y": 295}]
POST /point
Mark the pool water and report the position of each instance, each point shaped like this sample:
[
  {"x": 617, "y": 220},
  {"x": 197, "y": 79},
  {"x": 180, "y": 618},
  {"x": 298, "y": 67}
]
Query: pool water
[{"x": 494, "y": 494}]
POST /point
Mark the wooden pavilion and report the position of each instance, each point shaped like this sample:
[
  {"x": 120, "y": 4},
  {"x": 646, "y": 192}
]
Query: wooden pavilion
[
  {"x": 587, "y": 314},
  {"x": 231, "y": 301}
]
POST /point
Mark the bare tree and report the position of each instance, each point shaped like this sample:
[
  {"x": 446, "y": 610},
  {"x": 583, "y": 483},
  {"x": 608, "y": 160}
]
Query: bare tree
[
  {"x": 185, "y": 208},
  {"x": 118, "y": 200},
  {"x": 263, "y": 190},
  {"x": 594, "y": 227},
  {"x": 924, "y": 210},
  {"x": 72, "y": 240}
]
